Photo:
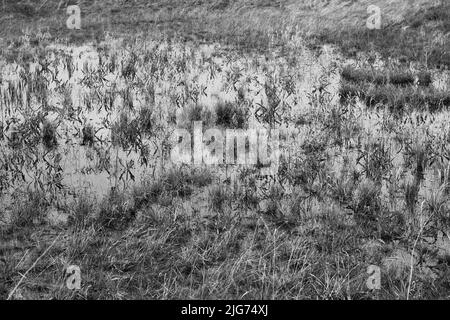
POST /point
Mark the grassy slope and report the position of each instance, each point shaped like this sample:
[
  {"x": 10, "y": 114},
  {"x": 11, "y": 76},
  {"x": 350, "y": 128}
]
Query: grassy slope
[{"x": 412, "y": 30}]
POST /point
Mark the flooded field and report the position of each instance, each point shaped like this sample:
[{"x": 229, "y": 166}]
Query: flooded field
[
  {"x": 110, "y": 112},
  {"x": 93, "y": 118},
  {"x": 164, "y": 167}
]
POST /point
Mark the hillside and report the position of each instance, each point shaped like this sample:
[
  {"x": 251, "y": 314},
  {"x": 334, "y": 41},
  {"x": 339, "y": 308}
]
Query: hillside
[{"x": 409, "y": 27}]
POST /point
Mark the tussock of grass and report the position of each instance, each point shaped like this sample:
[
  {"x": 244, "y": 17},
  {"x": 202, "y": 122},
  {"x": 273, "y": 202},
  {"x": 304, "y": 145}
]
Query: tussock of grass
[
  {"x": 396, "y": 99},
  {"x": 195, "y": 112},
  {"x": 310, "y": 233},
  {"x": 218, "y": 197},
  {"x": 397, "y": 78},
  {"x": 49, "y": 138},
  {"x": 230, "y": 115},
  {"x": 175, "y": 183},
  {"x": 88, "y": 135},
  {"x": 115, "y": 212}
]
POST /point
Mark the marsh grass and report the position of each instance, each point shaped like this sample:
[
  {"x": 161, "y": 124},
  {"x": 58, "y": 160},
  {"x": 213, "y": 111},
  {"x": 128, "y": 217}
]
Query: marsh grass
[
  {"x": 396, "y": 99},
  {"x": 174, "y": 183},
  {"x": 29, "y": 212},
  {"x": 49, "y": 138},
  {"x": 219, "y": 196},
  {"x": 232, "y": 116},
  {"x": 88, "y": 135},
  {"x": 116, "y": 211},
  {"x": 338, "y": 204},
  {"x": 383, "y": 77},
  {"x": 196, "y": 112}
]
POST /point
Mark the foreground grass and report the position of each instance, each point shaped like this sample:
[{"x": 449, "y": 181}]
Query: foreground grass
[
  {"x": 167, "y": 256},
  {"x": 181, "y": 237}
]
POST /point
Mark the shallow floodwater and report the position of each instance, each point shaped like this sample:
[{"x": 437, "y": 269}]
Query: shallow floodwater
[
  {"x": 80, "y": 75},
  {"x": 91, "y": 87}
]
